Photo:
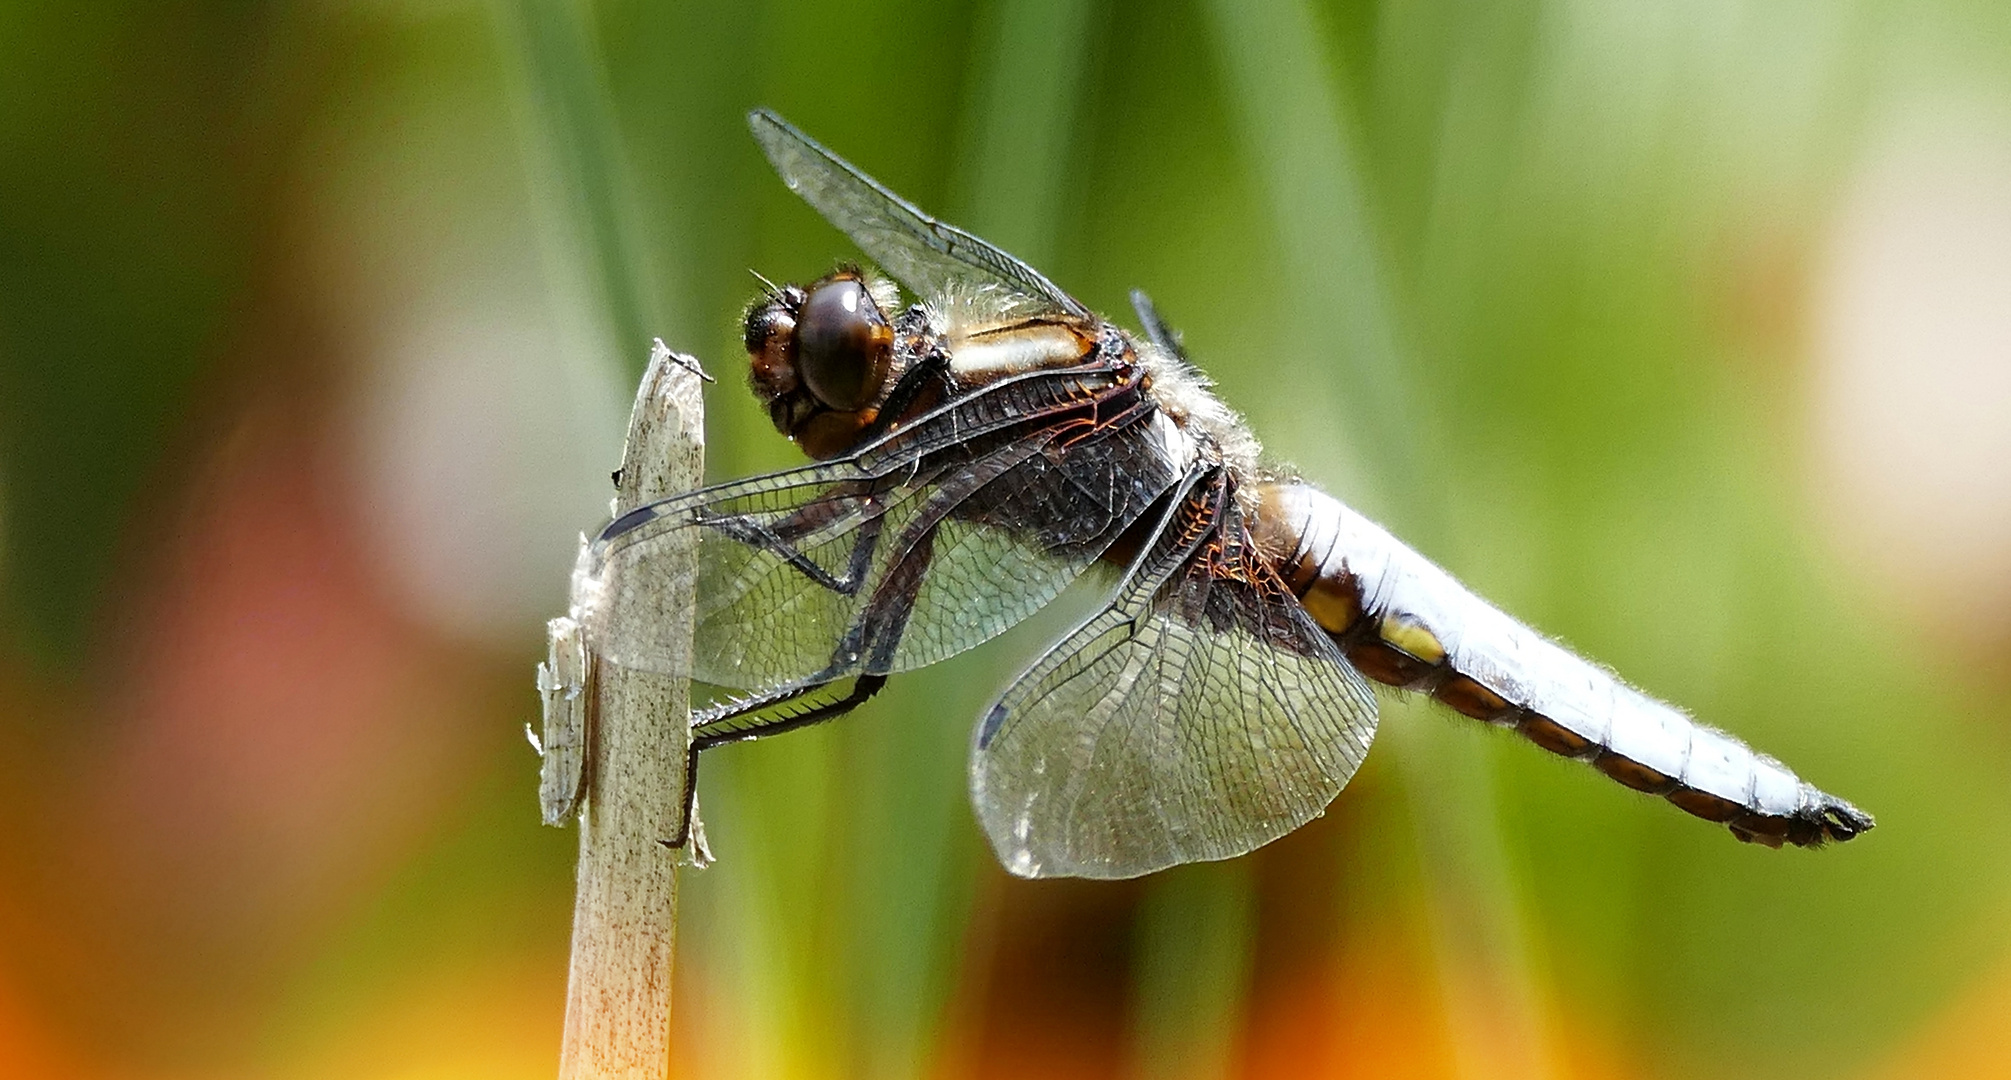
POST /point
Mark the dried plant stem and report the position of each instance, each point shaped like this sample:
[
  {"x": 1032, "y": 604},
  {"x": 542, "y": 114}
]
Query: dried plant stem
[{"x": 637, "y": 732}]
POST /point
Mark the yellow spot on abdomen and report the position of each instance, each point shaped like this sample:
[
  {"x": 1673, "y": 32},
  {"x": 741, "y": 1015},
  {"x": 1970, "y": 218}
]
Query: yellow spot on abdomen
[{"x": 1412, "y": 636}]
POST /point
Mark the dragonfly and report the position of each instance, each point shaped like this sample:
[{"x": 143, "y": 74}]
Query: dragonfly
[{"x": 979, "y": 449}]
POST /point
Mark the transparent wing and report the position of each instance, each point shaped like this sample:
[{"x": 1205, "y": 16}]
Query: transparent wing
[
  {"x": 1156, "y": 330},
  {"x": 1202, "y": 715},
  {"x": 908, "y": 552},
  {"x": 925, "y": 254}
]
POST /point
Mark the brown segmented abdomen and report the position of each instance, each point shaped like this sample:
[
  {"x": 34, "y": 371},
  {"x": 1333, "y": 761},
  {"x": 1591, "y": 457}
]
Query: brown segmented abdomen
[{"x": 1407, "y": 623}]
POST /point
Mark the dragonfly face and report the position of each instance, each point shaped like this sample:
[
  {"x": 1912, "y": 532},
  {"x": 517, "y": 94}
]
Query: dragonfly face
[
  {"x": 821, "y": 360},
  {"x": 983, "y": 447}
]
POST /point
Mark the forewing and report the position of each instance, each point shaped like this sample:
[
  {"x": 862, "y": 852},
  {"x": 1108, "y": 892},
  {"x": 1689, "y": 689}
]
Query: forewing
[
  {"x": 1201, "y": 715},
  {"x": 925, "y": 254},
  {"x": 874, "y": 564},
  {"x": 783, "y": 568}
]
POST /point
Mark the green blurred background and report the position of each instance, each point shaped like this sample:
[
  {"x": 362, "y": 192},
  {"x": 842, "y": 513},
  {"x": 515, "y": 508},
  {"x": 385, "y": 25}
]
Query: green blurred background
[{"x": 1681, "y": 330}]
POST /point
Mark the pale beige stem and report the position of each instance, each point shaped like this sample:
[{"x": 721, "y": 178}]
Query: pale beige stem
[{"x": 634, "y": 729}]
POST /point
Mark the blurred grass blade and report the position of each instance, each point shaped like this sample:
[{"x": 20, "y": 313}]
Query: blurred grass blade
[
  {"x": 1278, "y": 74},
  {"x": 914, "y": 855},
  {"x": 1279, "y": 83},
  {"x": 1025, "y": 97},
  {"x": 1194, "y": 942},
  {"x": 577, "y": 148},
  {"x": 1494, "y": 1006},
  {"x": 1194, "y": 938}
]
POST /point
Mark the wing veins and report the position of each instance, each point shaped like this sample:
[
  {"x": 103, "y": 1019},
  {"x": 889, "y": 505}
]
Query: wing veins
[
  {"x": 887, "y": 226},
  {"x": 1198, "y": 715}
]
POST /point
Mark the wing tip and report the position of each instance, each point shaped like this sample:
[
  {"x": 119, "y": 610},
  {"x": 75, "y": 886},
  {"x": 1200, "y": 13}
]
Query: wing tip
[{"x": 774, "y": 133}]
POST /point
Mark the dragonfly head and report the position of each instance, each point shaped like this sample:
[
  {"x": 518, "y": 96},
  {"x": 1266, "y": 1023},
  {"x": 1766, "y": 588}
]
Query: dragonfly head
[{"x": 820, "y": 358}]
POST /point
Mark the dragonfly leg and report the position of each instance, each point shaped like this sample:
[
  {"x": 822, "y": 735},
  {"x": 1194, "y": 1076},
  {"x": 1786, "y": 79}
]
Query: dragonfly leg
[
  {"x": 782, "y": 544},
  {"x": 876, "y": 636},
  {"x": 733, "y": 708},
  {"x": 862, "y": 688}
]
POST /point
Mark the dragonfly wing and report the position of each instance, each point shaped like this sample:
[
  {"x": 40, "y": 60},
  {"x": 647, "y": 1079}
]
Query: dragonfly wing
[
  {"x": 1156, "y": 329},
  {"x": 896, "y": 557},
  {"x": 925, "y": 254},
  {"x": 1199, "y": 716}
]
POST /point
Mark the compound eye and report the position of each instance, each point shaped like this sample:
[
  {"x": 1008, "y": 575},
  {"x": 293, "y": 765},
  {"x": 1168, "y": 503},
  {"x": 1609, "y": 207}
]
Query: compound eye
[
  {"x": 770, "y": 332},
  {"x": 843, "y": 344}
]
